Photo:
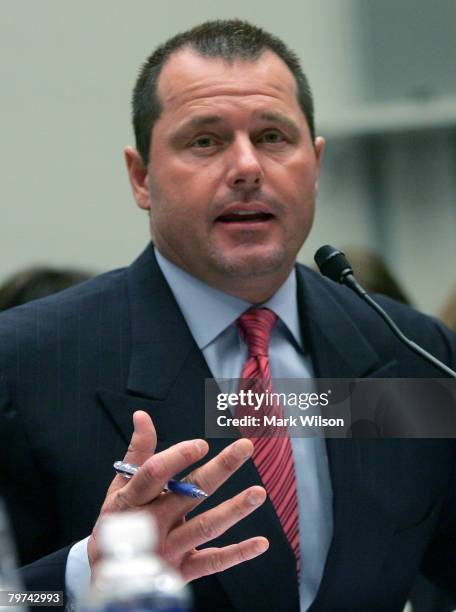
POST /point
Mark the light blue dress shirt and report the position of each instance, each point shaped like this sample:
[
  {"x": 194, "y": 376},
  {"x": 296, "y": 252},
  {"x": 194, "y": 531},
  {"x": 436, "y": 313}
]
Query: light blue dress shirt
[{"x": 215, "y": 332}]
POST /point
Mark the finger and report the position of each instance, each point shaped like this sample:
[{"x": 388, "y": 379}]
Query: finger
[
  {"x": 149, "y": 481},
  {"x": 141, "y": 447},
  {"x": 211, "y": 476},
  {"x": 214, "y": 473},
  {"x": 211, "y": 524},
  {"x": 213, "y": 560},
  {"x": 143, "y": 441}
]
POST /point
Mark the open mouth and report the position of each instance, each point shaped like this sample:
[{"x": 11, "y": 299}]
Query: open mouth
[{"x": 245, "y": 216}]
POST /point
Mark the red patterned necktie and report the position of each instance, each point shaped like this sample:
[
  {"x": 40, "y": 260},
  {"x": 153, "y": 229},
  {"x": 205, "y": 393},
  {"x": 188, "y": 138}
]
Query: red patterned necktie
[{"x": 272, "y": 455}]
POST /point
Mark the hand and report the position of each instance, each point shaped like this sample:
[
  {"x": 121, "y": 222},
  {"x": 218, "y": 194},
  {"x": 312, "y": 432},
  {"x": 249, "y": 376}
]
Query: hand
[{"x": 177, "y": 538}]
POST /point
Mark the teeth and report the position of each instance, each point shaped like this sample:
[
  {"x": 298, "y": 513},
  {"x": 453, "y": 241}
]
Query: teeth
[{"x": 246, "y": 212}]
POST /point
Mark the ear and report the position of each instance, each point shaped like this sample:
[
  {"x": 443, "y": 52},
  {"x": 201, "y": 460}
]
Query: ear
[
  {"x": 139, "y": 179},
  {"x": 319, "y": 146}
]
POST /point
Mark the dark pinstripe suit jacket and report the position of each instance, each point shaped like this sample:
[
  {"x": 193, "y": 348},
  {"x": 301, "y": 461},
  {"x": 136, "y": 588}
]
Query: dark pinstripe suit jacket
[{"x": 75, "y": 366}]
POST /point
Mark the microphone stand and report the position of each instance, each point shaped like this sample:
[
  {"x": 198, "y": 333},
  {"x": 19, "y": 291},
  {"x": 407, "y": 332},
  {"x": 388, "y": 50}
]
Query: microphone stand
[{"x": 333, "y": 264}]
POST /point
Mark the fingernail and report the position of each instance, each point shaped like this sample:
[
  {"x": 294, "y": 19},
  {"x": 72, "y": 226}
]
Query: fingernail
[
  {"x": 241, "y": 451},
  {"x": 262, "y": 546},
  {"x": 200, "y": 445},
  {"x": 254, "y": 498}
]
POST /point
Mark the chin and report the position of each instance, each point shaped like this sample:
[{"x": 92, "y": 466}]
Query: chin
[{"x": 254, "y": 264}]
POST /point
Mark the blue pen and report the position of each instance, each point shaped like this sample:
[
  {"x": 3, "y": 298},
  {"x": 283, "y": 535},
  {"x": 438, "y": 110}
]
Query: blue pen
[{"x": 127, "y": 470}]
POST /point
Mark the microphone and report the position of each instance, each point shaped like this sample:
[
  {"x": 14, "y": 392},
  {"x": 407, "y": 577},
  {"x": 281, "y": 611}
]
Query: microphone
[{"x": 333, "y": 264}]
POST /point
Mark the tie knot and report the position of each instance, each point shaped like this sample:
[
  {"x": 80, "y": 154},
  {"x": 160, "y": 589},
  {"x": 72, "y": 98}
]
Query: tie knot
[{"x": 255, "y": 327}]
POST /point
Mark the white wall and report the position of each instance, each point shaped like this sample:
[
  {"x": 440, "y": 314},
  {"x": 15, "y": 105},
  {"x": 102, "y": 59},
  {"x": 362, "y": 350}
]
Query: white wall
[{"x": 67, "y": 70}]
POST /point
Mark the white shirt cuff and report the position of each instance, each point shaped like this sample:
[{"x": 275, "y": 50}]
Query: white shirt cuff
[{"x": 77, "y": 572}]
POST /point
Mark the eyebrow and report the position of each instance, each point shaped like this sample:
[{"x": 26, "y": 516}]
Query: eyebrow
[
  {"x": 201, "y": 121},
  {"x": 276, "y": 116},
  {"x": 196, "y": 123}
]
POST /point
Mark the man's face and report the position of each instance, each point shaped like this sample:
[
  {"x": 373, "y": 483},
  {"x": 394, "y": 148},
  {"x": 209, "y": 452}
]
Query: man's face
[{"x": 233, "y": 173}]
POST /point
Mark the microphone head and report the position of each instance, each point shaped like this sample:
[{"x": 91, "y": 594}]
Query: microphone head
[{"x": 332, "y": 263}]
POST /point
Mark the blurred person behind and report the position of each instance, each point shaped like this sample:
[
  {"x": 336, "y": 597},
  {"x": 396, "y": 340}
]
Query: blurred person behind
[
  {"x": 374, "y": 275},
  {"x": 448, "y": 312},
  {"x": 37, "y": 282}
]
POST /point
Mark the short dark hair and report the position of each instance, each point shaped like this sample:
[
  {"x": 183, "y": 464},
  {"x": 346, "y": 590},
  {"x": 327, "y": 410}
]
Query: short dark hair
[
  {"x": 37, "y": 282},
  {"x": 227, "y": 39}
]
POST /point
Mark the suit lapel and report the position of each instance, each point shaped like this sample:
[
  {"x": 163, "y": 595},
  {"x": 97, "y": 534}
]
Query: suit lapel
[
  {"x": 340, "y": 350},
  {"x": 166, "y": 379},
  {"x": 161, "y": 340},
  {"x": 167, "y": 370},
  {"x": 337, "y": 347}
]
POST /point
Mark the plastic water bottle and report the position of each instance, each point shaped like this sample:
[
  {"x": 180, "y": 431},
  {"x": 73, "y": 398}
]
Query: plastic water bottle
[
  {"x": 130, "y": 576},
  {"x": 9, "y": 580}
]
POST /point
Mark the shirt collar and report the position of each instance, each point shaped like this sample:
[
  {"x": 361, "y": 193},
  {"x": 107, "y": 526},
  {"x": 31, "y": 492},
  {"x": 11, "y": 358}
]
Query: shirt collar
[{"x": 220, "y": 309}]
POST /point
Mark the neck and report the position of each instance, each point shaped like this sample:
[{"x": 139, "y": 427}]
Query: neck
[{"x": 253, "y": 290}]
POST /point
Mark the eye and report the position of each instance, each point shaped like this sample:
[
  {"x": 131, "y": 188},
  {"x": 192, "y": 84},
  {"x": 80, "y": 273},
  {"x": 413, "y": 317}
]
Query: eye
[
  {"x": 203, "y": 142},
  {"x": 272, "y": 137}
]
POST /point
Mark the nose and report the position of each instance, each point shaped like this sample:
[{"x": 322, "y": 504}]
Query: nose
[{"x": 245, "y": 173}]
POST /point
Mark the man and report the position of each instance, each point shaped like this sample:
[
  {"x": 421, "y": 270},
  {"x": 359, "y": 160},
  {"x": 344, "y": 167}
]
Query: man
[{"x": 227, "y": 166}]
